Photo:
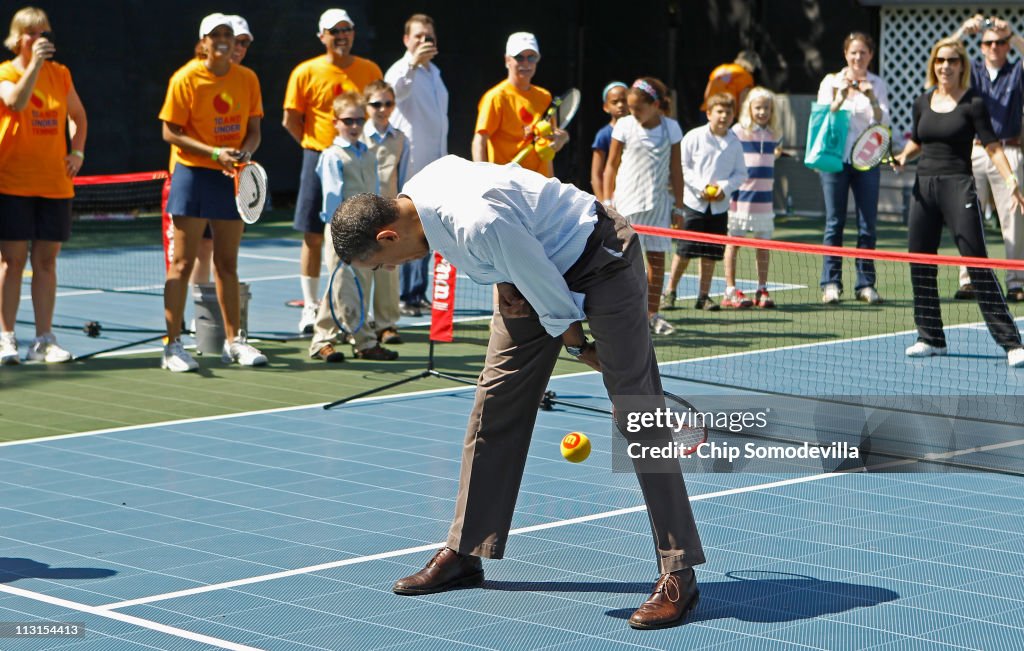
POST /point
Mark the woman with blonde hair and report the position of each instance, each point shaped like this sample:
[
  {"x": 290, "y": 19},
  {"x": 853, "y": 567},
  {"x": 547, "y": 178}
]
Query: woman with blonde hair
[
  {"x": 946, "y": 119},
  {"x": 39, "y": 108}
]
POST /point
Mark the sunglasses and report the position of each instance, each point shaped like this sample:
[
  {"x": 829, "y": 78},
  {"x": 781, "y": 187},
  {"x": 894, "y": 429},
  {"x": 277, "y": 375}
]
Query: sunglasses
[
  {"x": 334, "y": 31},
  {"x": 949, "y": 60},
  {"x": 352, "y": 122},
  {"x": 243, "y": 42},
  {"x": 527, "y": 58},
  {"x": 380, "y": 105},
  {"x": 998, "y": 41}
]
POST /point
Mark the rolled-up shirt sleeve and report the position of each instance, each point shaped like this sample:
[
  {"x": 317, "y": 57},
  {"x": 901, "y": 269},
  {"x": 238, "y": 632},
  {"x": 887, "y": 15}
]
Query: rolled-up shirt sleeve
[{"x": 517, "y": 255}]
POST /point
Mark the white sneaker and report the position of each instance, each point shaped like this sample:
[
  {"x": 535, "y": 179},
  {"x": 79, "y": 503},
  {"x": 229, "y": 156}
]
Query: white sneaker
[
  {"x": 868, "y": 295},
  {"x": 659, "y": 326},
  {"x": 308, "y": 319},
  {"x": 921, "y": 349},
  {"x": 830, "y": 294},
  {"x": 8, "y": 349},
  {"x": 45, "y": 349},
  {"x": 240, "y": 351},
  {"x": 1015, "y": 358},
  {"x": 176, "y": 359}
]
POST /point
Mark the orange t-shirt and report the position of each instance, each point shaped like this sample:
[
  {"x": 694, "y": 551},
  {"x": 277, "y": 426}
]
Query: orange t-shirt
[
  {"x": 729, "y": 78},
  {"x": 311, "y": 90},
  {"x": 33, "y": 140},
  {"x": 503, "y": 112},
  {"x": 213, "y": 110}
]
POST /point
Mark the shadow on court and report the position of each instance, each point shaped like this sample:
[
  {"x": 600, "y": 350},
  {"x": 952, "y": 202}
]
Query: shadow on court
[
  {"x": 748, "y": 596},
  {"x": 13, "y": 569}
]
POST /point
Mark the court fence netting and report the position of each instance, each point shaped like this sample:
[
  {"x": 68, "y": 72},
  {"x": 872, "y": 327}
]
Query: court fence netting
[{"x": 833, "y": 372}]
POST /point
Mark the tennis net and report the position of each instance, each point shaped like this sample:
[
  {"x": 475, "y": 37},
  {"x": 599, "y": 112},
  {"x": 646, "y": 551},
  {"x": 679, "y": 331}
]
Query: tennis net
[{"x": 116, "y": 243}]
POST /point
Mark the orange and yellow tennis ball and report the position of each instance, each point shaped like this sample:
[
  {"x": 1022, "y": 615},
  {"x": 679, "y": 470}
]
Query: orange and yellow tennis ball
[{"x": 575, "y": 447}]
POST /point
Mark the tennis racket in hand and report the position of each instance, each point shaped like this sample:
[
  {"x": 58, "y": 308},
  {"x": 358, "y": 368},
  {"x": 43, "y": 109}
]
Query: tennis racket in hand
[
  {"x": 559, "y": 114},
  {"x": 250, "y": 190},
  {"x": 872, "y": 147}
]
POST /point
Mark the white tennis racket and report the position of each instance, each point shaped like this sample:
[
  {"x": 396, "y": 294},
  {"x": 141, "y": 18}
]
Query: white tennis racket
[
  {"x": 250, "y": 191},
  {"x": 872, "y": 147},
  {"x": 561, "y": 112}
]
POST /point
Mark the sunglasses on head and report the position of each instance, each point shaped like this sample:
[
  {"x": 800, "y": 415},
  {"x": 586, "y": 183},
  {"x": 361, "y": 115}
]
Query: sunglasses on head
[
  {"x": 378, "y": 105},
  {"x": 352, "y": 122},
  {"x": 334, "y": 31},
  {"x": 949, "y": 60},
  {"x": 996, "y": 41},
  {"x": 527, "y": 58}
]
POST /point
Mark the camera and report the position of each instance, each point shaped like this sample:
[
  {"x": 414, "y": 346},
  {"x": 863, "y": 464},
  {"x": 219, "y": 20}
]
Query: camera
[
  {"x": 428, "y": 39},
  {"x": 47, "y": 35}
]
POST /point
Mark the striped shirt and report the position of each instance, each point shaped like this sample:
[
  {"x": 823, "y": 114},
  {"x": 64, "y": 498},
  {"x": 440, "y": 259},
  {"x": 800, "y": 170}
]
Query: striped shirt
[{"x": 754, "y": 196}]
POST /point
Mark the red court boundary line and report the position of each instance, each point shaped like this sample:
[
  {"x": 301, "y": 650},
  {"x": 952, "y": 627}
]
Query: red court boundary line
[{"x": 821, "y": 249}]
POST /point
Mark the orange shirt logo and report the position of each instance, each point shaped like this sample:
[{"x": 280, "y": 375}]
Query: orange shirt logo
[{"x": 223, "y": 102}]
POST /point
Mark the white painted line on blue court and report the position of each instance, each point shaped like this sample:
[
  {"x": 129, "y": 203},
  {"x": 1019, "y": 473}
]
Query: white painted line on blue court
[
  {"x": 434, "y": 546},
  {"x": 127, "y": 619}
]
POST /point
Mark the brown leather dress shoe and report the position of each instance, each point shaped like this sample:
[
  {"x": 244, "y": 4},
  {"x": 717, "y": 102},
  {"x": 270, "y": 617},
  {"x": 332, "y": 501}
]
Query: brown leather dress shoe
[
  {"x": 675, "y": 595},
  {"x": 446, "y": 570}
]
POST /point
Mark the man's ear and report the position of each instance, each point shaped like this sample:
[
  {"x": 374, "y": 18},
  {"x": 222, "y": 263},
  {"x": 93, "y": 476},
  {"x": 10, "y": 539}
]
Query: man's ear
[{"x": 387, "y": 235}]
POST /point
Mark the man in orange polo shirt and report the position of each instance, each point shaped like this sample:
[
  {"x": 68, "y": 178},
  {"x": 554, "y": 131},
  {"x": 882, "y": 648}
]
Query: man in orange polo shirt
[
  {"x": 508, "y": 110},
  {"x": 309, "y": 119}
]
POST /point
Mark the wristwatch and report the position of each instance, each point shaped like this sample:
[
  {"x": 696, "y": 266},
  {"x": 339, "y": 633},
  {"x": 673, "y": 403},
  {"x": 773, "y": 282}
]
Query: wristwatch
[{"x": 577, "y": 351}]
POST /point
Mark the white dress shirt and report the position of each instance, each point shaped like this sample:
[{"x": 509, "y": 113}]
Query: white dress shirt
[
  {"x": 502, "y": 223},
  {"x": 711, "y": 160},
  {"x": 421, "y": 110}
]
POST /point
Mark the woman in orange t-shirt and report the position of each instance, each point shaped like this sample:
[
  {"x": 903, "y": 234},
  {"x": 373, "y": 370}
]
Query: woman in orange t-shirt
[
  {"x": 37, "y": 101},
  {"x": 211, "y": 118}
]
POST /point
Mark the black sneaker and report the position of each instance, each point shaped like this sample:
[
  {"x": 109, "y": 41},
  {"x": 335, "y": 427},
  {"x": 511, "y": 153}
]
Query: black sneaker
[
  {"x": 1015, "y": 295},
  {"x": 705, "y": 303},
  {"x": 964, "y": 293}
]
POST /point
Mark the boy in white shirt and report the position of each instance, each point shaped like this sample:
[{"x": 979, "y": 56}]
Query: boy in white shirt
[{"x": 713, "y": 169}]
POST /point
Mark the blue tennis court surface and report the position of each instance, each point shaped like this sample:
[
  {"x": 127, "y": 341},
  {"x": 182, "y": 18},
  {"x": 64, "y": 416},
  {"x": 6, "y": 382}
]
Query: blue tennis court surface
[{"x": 284, "y": 530}]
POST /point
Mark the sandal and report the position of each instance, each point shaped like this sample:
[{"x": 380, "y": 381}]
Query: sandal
[{"x": 389, "y": 336}]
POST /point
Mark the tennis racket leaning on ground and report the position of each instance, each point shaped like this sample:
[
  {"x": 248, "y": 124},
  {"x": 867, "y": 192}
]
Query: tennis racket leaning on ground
[
  {"x": 250, "y": 191},
  {"x": 560, "y": 113},
  {"x": 872, "y": 147}
]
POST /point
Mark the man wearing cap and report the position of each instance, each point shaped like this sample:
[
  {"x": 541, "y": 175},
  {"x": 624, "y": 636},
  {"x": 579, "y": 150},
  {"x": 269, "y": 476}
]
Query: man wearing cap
[
  {"x": 1001, "y": 83},
  {"x": 507, "y": 111},
  {"x": 309, "y": 119},
  {"x": 421, "y": 113}
]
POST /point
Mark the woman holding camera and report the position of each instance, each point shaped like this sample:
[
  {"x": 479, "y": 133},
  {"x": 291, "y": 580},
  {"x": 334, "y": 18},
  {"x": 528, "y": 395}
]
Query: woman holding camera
[
  {"x": 38, "y": 109},
  {"x": 865, "y": 97}
]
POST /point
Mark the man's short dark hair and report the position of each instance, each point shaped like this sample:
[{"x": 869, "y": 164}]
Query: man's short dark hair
[{"x": 357, "y": 221}]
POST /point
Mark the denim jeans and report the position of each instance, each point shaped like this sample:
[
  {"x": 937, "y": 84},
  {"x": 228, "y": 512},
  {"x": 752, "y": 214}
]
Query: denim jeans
[
  {"x": 836, "y": 187},
  {"x": 413, "y": 279}
]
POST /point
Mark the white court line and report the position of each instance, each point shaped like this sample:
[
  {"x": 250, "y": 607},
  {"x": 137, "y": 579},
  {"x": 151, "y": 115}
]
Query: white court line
[
  {"x": 434, "y": 546},
  {"x": 128, "y": 619}
]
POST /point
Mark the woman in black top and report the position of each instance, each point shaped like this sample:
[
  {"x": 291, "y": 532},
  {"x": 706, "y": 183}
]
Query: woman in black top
[{"x": 945, "y": 121}]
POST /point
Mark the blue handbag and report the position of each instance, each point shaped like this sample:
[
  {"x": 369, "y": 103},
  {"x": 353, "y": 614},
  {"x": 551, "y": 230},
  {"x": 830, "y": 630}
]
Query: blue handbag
[{"x": 826, "y": 138}]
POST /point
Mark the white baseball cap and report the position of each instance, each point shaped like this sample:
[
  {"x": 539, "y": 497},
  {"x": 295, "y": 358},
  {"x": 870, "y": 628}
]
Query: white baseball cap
[
  {"x": 241, "y": 26},
  {"x": 212, "y": 22},
  {"x": 521, "y": 41},
  {"x": 332, "y": 17}
]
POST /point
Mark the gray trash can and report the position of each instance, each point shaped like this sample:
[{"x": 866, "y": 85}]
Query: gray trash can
[{"x": 209, "y": 322}]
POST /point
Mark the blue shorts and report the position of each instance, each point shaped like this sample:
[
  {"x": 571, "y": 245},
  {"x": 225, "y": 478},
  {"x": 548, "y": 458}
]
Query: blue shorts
[
  {"x": 26, "y": 219},
  {"x": 310, "y": 198},
  {"x": 201, "y": 192}
]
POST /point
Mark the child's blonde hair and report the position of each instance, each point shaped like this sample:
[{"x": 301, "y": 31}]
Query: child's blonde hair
[
  {"x": 379, "y": 86},
  {"x": 25, "y": 19},
  {"x": 747, "y": 121},
  {"x": 347, "y": 99}
]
